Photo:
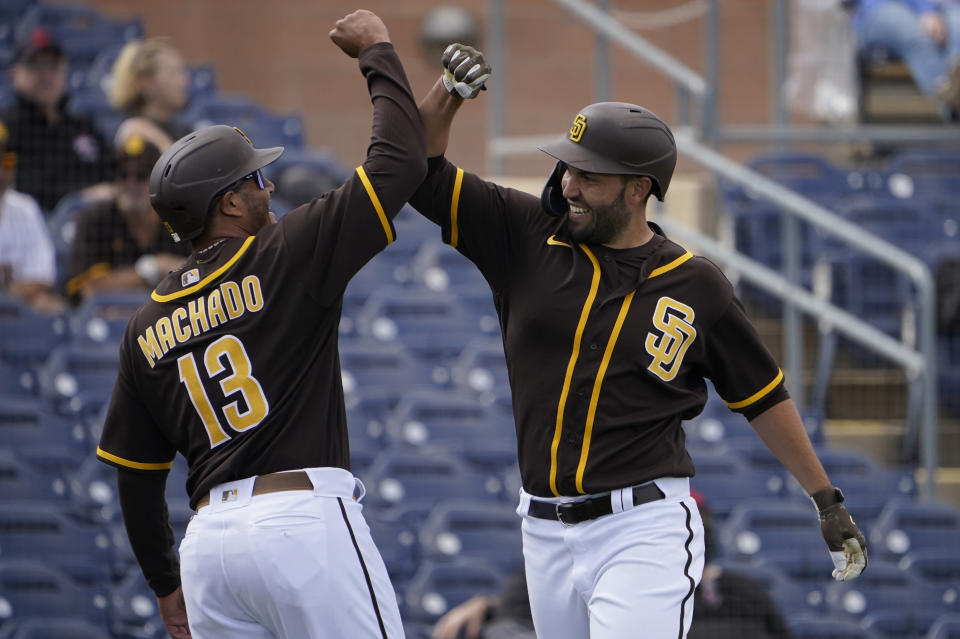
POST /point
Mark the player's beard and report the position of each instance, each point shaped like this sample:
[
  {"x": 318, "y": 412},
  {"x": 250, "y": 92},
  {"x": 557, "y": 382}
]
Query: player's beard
[
  {"x": 259, "y": 207},
  {"x": 608, "y": 221}
]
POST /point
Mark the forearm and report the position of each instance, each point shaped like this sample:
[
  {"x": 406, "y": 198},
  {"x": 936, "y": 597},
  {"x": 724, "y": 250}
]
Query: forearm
[
  {"x": 396, "y": 159},
  {"x": 144, "y": 508},
  {"x": 781, "y": 429},
  {"x": 437, "y": 110}
]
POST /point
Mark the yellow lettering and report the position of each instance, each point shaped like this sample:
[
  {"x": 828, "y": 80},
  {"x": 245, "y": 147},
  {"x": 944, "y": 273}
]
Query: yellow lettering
[
  {"x": 674, "y": 320},
  {"x": 149, "y": 346},
  {"x": 232, "y": 299},
  {"x": 182, "y": 333},
  {"x": 215, "y": 309},
  {"x": 165, "y": 334},
  {"x": 252, "y": 294},
  {"x": 198, "y": 316}
]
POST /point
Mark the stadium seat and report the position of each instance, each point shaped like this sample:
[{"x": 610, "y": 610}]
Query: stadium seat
[
  {"x": 133, "y": 608},
  {"x": 790, "y": 597},
  {"x": 396, "y": 539},
  {"x": 43, "y": 531},
  {"x": 93, "y": 492},
  {"x": 928, "y": 171},
  {"x": 261, "y": 126},
  {"x": 102, "y": 318},
  {"x": 439, "y": 267},
  {"x": 423, "y": 475},
  {"x": 79, "y": 379},
  {"x": 905, "y": 525},
  {"x": 900, "y": 623},
  {"x": 770, "y": 525},
  {"x": 481, "y": 366},
  {"x": 884, "y": 586},
  {"x": 726, "y": 482},
  {"x": 808, "y": 627},
  {"x": 27, "y": 424},
  {"x": 46, "y": 628},
  {"x": 368, "y": 364},
  {"x": 82, "y": 31},
  {"x": 30, "y": 588},
  {"x": 424, "y": 418},
  {"x": 436, "y": 588},
  {"x": 945, "y": 627},
  {"x": 18, "y": 481},
  {"x": 488, "y": 532},
  {"x": 939, "y": 565}
]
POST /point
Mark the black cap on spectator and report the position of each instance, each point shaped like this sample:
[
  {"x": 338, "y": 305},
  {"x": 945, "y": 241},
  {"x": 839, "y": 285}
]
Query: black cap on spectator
[{"x": 37, "y": 41}]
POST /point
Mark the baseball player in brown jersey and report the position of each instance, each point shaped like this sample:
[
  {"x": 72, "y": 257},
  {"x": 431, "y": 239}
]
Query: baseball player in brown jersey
[
  {"x": 233, "y": 363},
  {"x": 610, "y": 330}
]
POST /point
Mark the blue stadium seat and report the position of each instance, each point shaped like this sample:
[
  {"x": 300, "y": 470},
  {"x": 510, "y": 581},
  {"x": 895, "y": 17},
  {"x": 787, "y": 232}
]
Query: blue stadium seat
[
  {"x": 436, "y": 588},
  {"x": 905, "y": 525},
  {"x": 27, "y": 423},
  {"x": 809, "y": 174},
  {"x": 761, "y": 526},
  {"x": 65, "y": 628},
  {"x": 791, "y": 597},
  {"x": 425, "y": 418},
  {"x": 30, "y": 588},
  {"x": 423, "y": 475},
  {"x": 102, "y": 318},
  {"x": 79, "y": 379},
  {"x": 488, "y": 532},
  {"x": 809, "y": 627},
  {"x": 439, "y": 267},
  {"x": 929, "y": 171},
  {"x": 368, "y": 410},
  {"x": 884, "y": 586},
  {"x": 133, "y": 608},
  {"x": 43, "y": 531},
  {"x": 18, "y": 481},
  {"x": 945, "y": 627},
  {"x": 82, "y": 31},
  {"x": 261, "y": 126},
  {"x": 396, "y": 539},
  {"x": 939, "y": 565},
  {"x": 726, "y": 482},
  {"x": 26, "y": 341},
  {"x": 93, "y": 492},
  {"x": 481, "y": 367},
  {"x": 900, "y": 623},
  {"x": 367, "y": 364}
]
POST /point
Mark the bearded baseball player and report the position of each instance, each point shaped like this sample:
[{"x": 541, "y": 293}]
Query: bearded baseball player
[
  {"x": 233, "y": 363},
  {"x": 610, "y": 330}
]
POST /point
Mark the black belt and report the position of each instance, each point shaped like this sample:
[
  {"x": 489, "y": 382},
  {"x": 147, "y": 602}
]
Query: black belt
[{"x": 574, "y": 512}]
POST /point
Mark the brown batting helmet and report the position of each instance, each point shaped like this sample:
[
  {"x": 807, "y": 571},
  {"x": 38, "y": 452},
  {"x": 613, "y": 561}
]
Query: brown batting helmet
[
  {"x": 196, "y": 169},
  {"x": 612, "y": 137}
]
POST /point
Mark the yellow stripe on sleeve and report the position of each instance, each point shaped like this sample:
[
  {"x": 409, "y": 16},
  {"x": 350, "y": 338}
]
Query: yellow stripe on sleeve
[
  {"x": 760, "y": 394},
  {"x": 132, "y": 464},
  {"x": 454, "y": 207},
  {"x": 376, "y": 204}
]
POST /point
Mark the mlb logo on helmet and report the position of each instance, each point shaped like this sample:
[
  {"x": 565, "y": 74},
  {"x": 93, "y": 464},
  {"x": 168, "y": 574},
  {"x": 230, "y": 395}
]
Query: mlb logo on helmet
[{"x": 579, "y": 126}]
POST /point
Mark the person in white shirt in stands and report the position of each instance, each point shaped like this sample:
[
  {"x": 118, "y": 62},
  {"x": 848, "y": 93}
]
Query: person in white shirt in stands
[{"x": 27, "y": 266}]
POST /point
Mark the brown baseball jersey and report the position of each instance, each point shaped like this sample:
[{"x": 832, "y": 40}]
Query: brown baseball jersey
[
  {"x": 233, "y": 361},
  {"x": 607, "y": 349}
]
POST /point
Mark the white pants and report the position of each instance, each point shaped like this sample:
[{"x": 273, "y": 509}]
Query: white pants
[
  {"x": 626, "y": 575},
  {"x": 294, "y": 564}
]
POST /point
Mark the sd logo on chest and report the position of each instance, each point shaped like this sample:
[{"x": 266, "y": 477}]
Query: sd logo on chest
[{"x": 674, "y": 334}]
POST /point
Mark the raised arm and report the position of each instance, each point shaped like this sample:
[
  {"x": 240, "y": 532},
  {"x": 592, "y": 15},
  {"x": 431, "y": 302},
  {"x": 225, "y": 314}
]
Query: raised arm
[{"x": 464, "y": 72}]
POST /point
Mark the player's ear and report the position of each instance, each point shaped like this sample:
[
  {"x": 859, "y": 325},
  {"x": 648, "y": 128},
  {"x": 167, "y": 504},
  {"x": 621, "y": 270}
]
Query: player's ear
[
  {"x": 231, "y": 204},
  {"x": 639, "y": 188}
]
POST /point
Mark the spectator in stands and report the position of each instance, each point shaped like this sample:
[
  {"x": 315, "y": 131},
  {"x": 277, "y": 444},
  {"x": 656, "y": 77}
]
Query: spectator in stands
[
  {"x": 726, "y": 606},
  {"x": 57, "y": 152},
  {"x": 120, "y": 243},
  {"x": 925, "y": 34},
  {"x": 27, "y": 267},
  {"x": 150, "y": 85}
]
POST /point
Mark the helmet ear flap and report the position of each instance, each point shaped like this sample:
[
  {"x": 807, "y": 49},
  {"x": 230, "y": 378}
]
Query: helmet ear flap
[{"x": 552, "y": 199}]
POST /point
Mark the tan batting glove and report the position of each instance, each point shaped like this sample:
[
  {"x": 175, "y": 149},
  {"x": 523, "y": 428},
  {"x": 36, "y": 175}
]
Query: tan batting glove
[
  {"x": 847, "y": 545},
  {"x": 464, "y": 70}
]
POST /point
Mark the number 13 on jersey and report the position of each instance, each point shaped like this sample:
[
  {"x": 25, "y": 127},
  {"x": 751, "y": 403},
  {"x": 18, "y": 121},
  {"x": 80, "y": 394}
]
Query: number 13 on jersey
[{"x": 240, "y": 380}]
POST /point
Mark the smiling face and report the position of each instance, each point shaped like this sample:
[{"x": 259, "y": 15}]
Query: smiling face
[{"x": 598, "y": 209}]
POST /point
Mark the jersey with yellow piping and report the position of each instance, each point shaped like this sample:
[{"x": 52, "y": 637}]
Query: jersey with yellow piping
[
  {"x": 233, "y": 362},
  {"x": 607, "y": 349}
]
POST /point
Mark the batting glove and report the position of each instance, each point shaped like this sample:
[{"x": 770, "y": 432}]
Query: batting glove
[
  {"x": 847, "y": 545},
  {"x": 464, "y": 70}
]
